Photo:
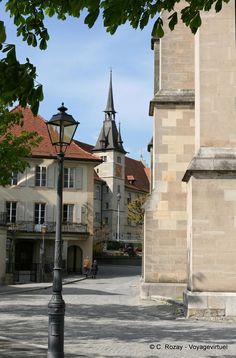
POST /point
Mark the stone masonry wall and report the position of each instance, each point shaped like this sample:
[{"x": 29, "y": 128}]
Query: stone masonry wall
[
  {"x": 213, "y": 266},
  {"x": 166, "y": 217}
]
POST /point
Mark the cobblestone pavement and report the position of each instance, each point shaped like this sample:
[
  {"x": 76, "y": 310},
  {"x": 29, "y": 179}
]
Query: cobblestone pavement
[{"x": 105, "y": 318}]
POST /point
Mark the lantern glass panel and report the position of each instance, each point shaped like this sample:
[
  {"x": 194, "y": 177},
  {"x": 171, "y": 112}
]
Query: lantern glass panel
[{"x": 68, "y": 133}]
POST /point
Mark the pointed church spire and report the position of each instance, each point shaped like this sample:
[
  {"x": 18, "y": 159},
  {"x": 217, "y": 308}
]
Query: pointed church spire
[
  {"x": 109, "y": 137},
  {"x": 110, "y": 110}
]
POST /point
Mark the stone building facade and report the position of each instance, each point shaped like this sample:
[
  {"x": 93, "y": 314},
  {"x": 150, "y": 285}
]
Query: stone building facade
[
  {"x": 190, "y": 217},
  {"x": 211, "y": 175},
  {"x": 172, "y": 147}
]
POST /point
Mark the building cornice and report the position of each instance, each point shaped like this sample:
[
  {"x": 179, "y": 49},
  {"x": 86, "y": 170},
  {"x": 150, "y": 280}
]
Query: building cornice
[
  {"x": 212, "y": 163},
  {"x": 170, "y": 98},
  {"x": 95, "y": 160}
]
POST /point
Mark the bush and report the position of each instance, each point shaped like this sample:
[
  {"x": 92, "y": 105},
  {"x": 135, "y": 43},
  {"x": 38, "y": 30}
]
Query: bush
[{"x": 114, "y": 245}]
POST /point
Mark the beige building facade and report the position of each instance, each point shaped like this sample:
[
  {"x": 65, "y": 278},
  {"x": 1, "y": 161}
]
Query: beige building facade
[
  {"x": 28, "y": 206},
  {"x": 190, "y": 217}
]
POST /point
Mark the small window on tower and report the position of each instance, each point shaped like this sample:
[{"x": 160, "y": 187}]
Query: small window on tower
[
  {"x": 118, "y": 159},
  {"x": 104, "y": 158}
]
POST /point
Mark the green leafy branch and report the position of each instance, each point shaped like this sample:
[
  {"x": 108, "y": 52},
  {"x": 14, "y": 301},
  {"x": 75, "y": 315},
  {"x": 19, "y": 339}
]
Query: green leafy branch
[{"x": 14, "y": 148}]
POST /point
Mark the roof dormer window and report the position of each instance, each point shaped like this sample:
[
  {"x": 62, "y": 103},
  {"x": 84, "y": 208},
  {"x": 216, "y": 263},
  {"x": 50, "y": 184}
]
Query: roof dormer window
[{"x": 131, "y": 179}]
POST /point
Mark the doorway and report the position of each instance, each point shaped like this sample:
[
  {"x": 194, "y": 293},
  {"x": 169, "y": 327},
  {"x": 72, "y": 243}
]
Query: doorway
[
  {"x": 24, "y": 255},
  {"x": 74, "y": 259}
]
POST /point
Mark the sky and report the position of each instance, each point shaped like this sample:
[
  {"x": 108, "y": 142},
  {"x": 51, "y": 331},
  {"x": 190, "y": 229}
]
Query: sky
[{"x": 75, "y": 69}]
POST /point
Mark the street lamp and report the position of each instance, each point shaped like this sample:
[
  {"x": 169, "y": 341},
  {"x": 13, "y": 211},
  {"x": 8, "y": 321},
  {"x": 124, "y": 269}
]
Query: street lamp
[
  {"x": 61, "y": 129},
  {"x": 118, "y": 216}
]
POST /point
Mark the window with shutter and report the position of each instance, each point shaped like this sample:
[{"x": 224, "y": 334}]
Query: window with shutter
[
  {"x": 39, "y": 213},
  {"x": 69, "y": 174},
  {"x": 68, "y": 210},
  {"x": 40, "y": 175},
  {"x": 11, "y": 211}
]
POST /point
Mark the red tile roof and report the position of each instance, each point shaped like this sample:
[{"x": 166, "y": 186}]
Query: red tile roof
[
  {"x": 136, "y": 175},
  {"x": 85, "y": 146},
  {"x": 45, "y": 148}
]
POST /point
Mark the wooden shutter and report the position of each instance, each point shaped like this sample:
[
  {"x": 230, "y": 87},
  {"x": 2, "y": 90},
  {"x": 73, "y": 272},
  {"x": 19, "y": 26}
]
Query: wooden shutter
[
  {"x": 29, "y": 216},
  {"x": 31, "y": 171},
  {"x": 84, "y": 214},
  {"x": 51, "y": 176},
  {"x": 79, "y": 178},
  {"x": 77, "y": 214},
  {"x": 20, "y": 213},
  {"x": 50, "y": 213}
]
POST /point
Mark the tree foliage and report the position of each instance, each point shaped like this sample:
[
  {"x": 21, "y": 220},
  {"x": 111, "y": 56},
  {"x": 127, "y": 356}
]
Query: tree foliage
[
  {"x": 14, "y": 148},
  {"x": 18, "y": 80},
  {"x": 136, "y": 211}
]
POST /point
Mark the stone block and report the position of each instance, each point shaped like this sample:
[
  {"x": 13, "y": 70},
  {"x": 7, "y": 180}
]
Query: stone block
[
  {"x": 230, "y": 309},
  {"x": 168, "y": 122},
  {"x": 216, "y": 302},
  {"x": 167, "y": 224},
  {"x": 162, "y": 205},
  {"x": 169, "y": 290},
  {"x": 168, "y": 176},
  {"x": 210, "y": 304}
]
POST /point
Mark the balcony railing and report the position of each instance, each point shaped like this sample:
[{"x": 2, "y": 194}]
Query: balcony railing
[{"x": 49, "y": 227}]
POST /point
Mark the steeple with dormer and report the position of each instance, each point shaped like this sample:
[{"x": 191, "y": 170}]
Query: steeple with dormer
[{"x": 110, "y": 137}]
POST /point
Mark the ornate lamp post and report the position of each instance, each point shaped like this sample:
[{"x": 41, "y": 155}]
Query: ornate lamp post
[
  {"x": 61, "y": 129},
  {"x": 118, "y": 216}
]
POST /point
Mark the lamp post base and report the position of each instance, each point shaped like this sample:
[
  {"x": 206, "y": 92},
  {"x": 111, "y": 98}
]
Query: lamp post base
[
  {"x": 56, "y": 313},
  {"x": 55, "y": 355}
]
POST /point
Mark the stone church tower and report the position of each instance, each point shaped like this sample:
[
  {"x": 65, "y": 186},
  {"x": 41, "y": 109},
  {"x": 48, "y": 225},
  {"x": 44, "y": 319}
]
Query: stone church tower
[
  {"x": 172, "y": 108},
  {"x": 211, "y": 175},
  {"x": 109, "y": 147},
  {"x": 190, "y": 220}
]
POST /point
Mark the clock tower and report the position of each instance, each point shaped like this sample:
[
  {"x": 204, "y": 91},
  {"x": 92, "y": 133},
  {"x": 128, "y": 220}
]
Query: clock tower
[{"x": 109, "y": 147}]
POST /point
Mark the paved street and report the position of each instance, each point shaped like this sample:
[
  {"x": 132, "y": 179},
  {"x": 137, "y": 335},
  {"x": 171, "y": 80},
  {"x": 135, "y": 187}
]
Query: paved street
[{"x": 105, "y": 318}]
